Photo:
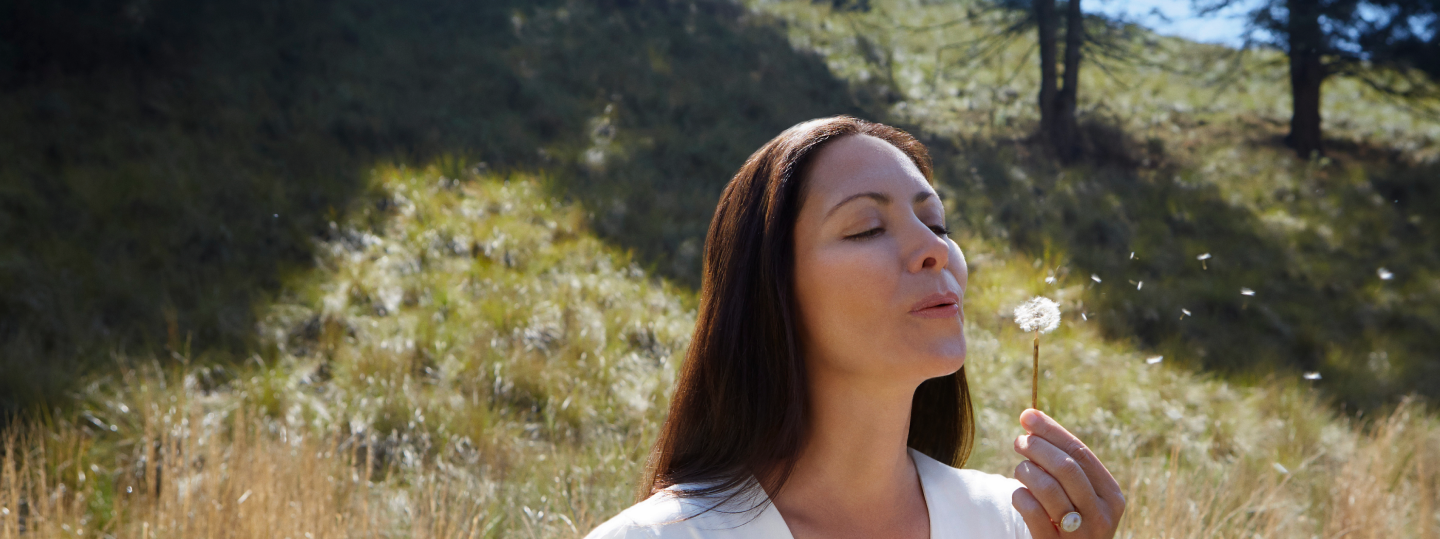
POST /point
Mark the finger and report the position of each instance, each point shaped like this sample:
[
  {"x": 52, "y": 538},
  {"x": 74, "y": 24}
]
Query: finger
[
  {"x": 1036, "y": 422},
  {"x": 1044, "y": 488},
  {"x": 1062, "y": 468},
  {"x": 1034, "y": 514}
]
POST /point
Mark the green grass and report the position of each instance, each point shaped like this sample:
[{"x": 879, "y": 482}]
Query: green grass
[
  {"x": 477, "y": 312},
  {"x": 160, "y": 202},
  {"x": 470, "y": 323},
  {"x": 160, "y": 189},
  {"x": 480, "y": 279},
  {"x": 503, "y": 372},
  {"x": 1182, "y": 163}
]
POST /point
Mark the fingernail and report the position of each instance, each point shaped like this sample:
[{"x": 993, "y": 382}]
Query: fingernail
[{"x": 1030, "y": 420}]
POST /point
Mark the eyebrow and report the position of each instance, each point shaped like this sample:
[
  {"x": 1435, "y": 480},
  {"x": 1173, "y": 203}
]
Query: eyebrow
[{"x": 878, "y": 197}]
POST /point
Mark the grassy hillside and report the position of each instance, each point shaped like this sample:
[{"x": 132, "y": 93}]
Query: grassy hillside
[
  {"x": 163, "y": 186},
  {"x": 469, "y": 360},
  {"x": 425, "y": 270},
  {"x": 162, "y": 169},
  {"x": 1185, "y": 160},
  {"x": 464, "y": 342}
]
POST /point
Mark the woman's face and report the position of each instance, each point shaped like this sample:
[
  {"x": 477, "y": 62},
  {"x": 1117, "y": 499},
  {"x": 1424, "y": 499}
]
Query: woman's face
[{"x": 878, "y": 284}]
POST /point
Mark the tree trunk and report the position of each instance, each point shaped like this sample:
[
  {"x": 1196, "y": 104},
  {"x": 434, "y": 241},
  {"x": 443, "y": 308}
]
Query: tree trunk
[
  {"x": 1067, "y": 131},
  {"x": 1045, "y": 19},
  {"x": 1307, "y": 74}
]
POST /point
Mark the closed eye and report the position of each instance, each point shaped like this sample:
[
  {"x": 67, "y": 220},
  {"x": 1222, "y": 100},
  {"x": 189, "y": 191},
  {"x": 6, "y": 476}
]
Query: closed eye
[
  {"x": 866, "y": 234},
  {"x": 939, "y": 230}
]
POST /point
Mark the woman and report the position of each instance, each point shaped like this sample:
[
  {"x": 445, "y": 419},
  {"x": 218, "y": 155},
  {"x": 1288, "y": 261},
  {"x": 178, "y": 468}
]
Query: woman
[{"x": 824, "y": 390}]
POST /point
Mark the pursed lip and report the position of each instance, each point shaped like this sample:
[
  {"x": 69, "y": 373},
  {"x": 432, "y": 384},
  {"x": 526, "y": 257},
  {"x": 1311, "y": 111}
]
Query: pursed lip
[{"x": 939, "y": 304}]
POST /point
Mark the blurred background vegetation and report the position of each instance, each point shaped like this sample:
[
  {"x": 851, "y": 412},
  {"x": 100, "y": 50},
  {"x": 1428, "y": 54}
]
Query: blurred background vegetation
[{"x": 450, "y": 248}]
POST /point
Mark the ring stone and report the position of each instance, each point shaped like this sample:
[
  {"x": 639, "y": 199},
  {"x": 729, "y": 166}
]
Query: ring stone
[{"x": 1070, "y": 522}]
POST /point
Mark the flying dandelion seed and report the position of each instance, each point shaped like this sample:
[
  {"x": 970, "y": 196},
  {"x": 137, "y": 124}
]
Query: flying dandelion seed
[
  {"x": 1039, "y": 315},
  {"x": 1094, "y": 277},
  {"x": 1312, "y": 376},
  {"x": 1202, "y": 258},
  {"x": 1154, "y": 359},
  {"x": 1140, "y": 285},
  {"x": 1246, "y": 291},
  {"x": 1184, "y": 313},
  {"x": 1385, "y": 274},
  {"x": 1132, "y": 255},
  {"x": 1280, "y": 469},
  {"x": 1050, "y": 280},
  {"x": 1083, "y": 317}
]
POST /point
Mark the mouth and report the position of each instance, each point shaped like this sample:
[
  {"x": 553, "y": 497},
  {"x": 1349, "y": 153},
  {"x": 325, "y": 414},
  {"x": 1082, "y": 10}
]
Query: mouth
[{"x": 938, "y": 305}]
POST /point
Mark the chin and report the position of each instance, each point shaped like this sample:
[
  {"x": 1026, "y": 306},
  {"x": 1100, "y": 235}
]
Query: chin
[{"x": 943, "y": 359}]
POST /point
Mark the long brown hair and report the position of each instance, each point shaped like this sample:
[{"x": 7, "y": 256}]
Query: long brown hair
[{"x": 739, "y": 405}]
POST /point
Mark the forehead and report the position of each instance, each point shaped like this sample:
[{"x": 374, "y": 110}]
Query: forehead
[{"x": 859, "y": 163}]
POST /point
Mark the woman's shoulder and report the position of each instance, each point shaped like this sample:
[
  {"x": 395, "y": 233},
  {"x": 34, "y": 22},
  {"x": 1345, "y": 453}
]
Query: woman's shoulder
[
  {"x": 642, "y": 519},
  {"x": 975, "y": 483},
  {"x": 664, "y": 515},
  {"x": 973, "y": 499}
]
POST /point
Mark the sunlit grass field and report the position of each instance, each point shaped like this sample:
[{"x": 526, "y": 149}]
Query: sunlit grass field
[
  {"x": 469, "y": 361},
  {"x": 463, "y": 350}
]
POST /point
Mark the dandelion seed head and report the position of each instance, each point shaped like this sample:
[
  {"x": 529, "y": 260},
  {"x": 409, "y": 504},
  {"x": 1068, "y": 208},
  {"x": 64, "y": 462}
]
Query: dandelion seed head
[
  {"x": 1039, "y": 314},
  {"x": 1384, "y": 274},
  {"x": 1246, "y": 291},
  {"x": 1312, "y": 376}
]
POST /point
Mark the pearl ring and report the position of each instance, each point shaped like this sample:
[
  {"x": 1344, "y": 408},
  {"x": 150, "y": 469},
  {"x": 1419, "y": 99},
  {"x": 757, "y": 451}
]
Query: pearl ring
[{"x": 1070, "y": 522}]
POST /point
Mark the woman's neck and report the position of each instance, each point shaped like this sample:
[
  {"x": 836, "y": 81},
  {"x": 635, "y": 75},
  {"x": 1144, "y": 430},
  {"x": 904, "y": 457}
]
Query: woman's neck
[{"x": 854, "y": 476}]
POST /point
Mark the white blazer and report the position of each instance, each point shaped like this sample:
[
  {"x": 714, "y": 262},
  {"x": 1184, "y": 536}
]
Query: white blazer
[{"x": 963, "y": 504}]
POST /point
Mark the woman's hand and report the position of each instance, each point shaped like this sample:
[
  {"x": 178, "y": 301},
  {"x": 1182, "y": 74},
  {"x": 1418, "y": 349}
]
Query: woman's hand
[{"x": 1063, "y": 475}]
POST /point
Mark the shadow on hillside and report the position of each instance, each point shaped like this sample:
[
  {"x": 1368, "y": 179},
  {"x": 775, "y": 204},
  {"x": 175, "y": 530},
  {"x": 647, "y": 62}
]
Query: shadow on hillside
[
  {"x": 1311, "y": 259},
  {"x": 165, "y": 164}
]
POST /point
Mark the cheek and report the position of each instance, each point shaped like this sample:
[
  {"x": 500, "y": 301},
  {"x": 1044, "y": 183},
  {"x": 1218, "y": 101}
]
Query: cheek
[
  {"x": 844, "y": 293},
  {"x": 960, "y": 270}
]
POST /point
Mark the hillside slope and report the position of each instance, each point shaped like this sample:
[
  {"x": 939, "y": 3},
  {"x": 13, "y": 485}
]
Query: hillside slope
[
  {"x": 470, "y": 361},
  {"x": 1187, "y": 189},
  {"x": 471, "y": 331},
  {"x": 162, "y": 170}
]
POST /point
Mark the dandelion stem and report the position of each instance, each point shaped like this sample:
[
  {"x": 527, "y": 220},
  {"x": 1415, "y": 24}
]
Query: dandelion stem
[{"x": 1035, "y": 381}]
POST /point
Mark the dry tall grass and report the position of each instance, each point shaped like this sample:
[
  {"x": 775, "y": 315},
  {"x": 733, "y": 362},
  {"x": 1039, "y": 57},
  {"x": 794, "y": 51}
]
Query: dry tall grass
[
  {"x": 205, "y": 473},
  {"x": 195, "y": 474},
  {"x": 1383, "y": 486}
]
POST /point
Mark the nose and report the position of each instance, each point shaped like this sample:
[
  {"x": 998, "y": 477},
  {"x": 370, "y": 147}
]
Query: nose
[{"x": 929, "y": 252}]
